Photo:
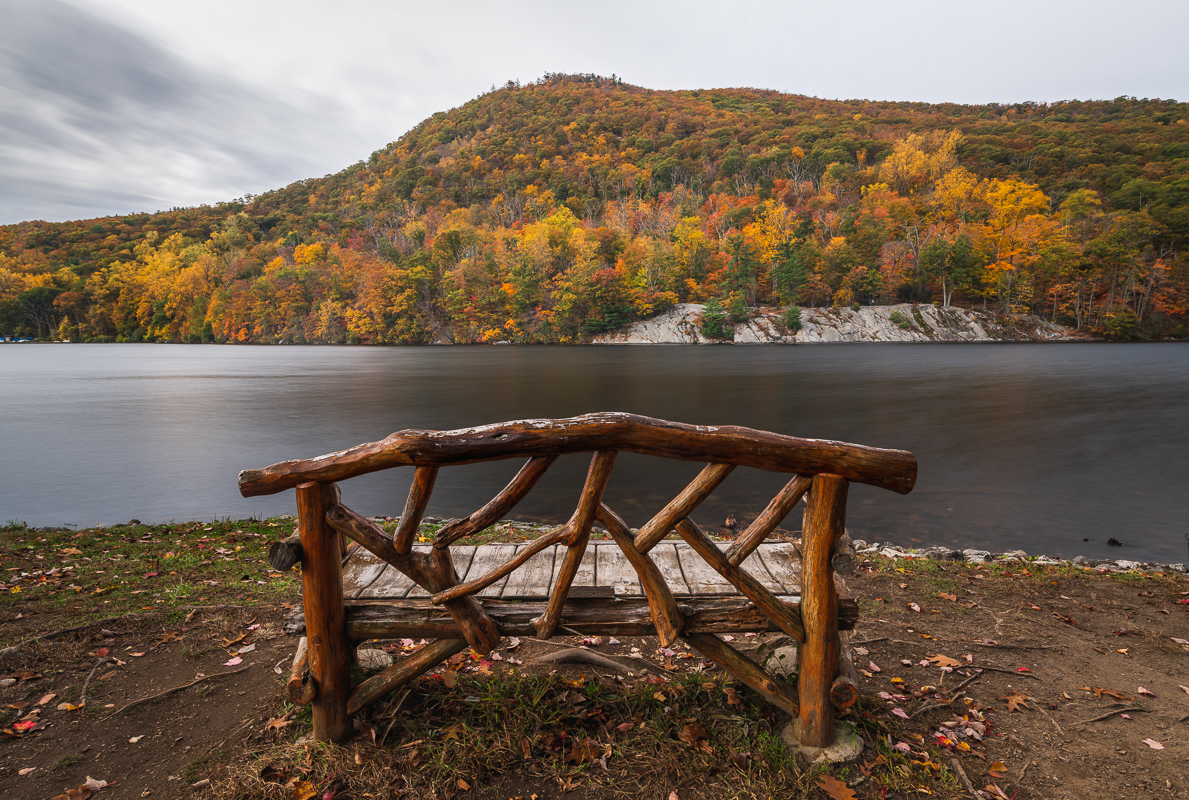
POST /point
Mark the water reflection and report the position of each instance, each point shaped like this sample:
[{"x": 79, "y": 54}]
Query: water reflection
[{"x": 1032, "y": 446}]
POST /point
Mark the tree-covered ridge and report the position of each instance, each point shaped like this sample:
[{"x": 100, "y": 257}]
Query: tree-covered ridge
[{"x": 556, "y": 210}]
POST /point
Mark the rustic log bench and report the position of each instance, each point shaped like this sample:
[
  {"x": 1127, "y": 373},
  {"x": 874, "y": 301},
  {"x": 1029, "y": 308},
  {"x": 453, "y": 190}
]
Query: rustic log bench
[{"x": 638, "y": 583}]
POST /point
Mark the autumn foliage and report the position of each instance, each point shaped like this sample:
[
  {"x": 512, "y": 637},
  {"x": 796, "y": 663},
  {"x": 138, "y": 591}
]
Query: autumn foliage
[{"x": 554, "y": 211}]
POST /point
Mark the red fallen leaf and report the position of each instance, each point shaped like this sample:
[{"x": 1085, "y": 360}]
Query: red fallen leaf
[
  {"x": 1153, "y": 744},
  {"x": 1143, "y": 691},
  {"x": 624, "y": 727},
  {"x": 101, "y": 652},
  {"x": 1022, "y": 669},
  {"x": 25, "y": 725}
]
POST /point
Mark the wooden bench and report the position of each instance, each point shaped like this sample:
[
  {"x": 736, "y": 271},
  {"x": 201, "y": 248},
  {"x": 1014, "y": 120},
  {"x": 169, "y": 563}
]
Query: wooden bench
[{"x": 638, "y": 583}]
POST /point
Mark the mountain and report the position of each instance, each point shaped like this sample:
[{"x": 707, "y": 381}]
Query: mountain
[{"x": 561, "y": 209}]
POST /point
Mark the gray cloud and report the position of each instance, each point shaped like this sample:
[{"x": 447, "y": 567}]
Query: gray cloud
[{"x": 96, "y": 119}]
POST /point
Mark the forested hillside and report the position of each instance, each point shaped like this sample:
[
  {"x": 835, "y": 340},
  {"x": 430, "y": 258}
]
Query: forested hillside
[{"x": 570, "y": 206}]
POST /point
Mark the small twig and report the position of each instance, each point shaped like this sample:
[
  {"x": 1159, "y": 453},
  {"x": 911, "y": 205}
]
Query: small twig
[
  {"x": 1027, "y": 764},
  {"x": 1018, "y": 646},
  {"x": 954, "y": 692},
  {"x": 1108, "y": 715},
  {"x": 87, "y": 683},
  {"x": 965, "y": 781},
  {"x": 1041, "y": 710},
  {"x": 395, "y": 707},
  {"x": 933, "y": 707},
  {"x": 870, "y": 641},
  {"x": 180, "y": 688},
  {"x": 1010, "y": 672}
]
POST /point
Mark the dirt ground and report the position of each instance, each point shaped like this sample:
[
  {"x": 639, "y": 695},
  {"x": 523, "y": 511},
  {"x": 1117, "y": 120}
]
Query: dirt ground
[{"x": 1060, "y": 649}]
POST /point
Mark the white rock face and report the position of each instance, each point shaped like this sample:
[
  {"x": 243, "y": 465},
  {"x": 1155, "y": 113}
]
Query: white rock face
[{"x": 899, "y": 323}]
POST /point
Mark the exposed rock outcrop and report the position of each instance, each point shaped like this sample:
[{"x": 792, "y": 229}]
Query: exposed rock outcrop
[{"x": 898, "y": 323}]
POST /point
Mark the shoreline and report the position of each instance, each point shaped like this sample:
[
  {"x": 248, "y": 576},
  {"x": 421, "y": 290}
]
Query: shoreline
[{"x": 857, "y": 547}]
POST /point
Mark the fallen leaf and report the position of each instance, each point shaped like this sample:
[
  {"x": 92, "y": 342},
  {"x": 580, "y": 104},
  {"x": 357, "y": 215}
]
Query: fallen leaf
[
  {"x": 233, "y": 662},
  {"x": 45, "y": 699},
  {"x": 944, "y": 661},
  {"x": 463, "y": 785},
  {"x": 26, "y": 770},
  {"x": 1144, "y": 692},
  {"x": 304, "y": 790},
  {"x": 1152, "y": 743},
  {"x": 624, "y": 727},
  {"x": 915, "y": 607},
  {"x": 871, "y": 665},
  {"x": 835, "y": 788},
  {"x": 692, "y": 733},
  {"x": 951, "y": 597},
  {"x": 900, "y": 712},
  {"x": 136, "y": 739},
  {"x": 1185, "y": 688},
  {"x": 1015, "y": 700}
]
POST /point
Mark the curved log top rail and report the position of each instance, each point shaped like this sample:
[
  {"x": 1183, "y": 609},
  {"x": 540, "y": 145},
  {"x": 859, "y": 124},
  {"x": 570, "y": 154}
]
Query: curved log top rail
[
  {"x": 821, "y": 471},
  {"x": 727, "y": 444}
]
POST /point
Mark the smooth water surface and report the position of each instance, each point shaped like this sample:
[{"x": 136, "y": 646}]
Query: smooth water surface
[{"x": 1034, "y": 446}]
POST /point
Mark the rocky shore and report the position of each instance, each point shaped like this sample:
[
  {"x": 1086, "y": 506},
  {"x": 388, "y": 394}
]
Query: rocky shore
[
  {"x": 862, "y": 547},
  {"x": 897, "y": 323}
]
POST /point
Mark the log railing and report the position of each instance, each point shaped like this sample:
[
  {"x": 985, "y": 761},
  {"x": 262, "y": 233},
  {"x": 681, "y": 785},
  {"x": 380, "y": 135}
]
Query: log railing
[{"x": 821, "y": 471}]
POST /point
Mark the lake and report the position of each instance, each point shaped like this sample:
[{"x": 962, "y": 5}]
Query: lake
[{"x": 1032, "y": 446}]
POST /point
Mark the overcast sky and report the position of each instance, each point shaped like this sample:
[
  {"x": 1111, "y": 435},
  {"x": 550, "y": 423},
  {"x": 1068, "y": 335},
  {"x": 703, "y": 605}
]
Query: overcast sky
[{"x": 116, "y": 106}]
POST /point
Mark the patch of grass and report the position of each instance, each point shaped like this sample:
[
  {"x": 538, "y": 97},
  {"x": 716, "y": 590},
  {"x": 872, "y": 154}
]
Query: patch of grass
[{"x": 66, "y": 761}]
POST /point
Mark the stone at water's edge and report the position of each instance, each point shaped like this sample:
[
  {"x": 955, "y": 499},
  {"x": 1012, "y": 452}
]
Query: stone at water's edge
[{"x": 899, "y": 323}]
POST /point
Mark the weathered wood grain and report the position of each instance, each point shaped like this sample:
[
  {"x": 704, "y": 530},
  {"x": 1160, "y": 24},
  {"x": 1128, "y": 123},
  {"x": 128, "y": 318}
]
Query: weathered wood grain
[
  {"x": 682, "y": 505},
  {"x": 402, "y": 672},
  {"x": 778, "y": 508},
  {"x": 825, "y": 519},
  {"x": 728, "y": 444},
  {"x": 774, "y": 690},
  {"x": 781, "y": 612},
  {"x": 500, "y": 505},
  {"x": 415, "y": 505},
  {"x": 578, "y": 528},
  {"x": 328, "y": 656},
  {"x": 666, "y": 617},
  {"x": 431, "y": 571}
]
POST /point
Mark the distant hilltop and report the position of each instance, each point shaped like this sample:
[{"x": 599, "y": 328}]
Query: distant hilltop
[{"x": 562, "y": 210}]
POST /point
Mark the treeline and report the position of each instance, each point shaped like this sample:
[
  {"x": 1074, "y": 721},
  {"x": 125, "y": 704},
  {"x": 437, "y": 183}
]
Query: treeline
[{"x": 557, "y": 210}]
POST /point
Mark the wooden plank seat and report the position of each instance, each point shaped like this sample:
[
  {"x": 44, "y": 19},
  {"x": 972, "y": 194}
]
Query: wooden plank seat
[
  {"x": 639, "y": 582},
  {"x": 606, "y": 597}
]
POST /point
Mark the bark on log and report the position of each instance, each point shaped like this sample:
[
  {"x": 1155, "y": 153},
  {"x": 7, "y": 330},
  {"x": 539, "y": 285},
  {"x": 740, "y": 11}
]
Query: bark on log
[
  {"x": 578, "y": 534},
  {"x": 682, "y": 505},
  {"x": 322, "y": 590},
  {"x": 500, "y": 505},
  {"x": 283, "y": 555},
  {"x": 479, "y": 584},
  {"x": 418, "y": 618},
  {"x": 782, "y": 613},
  {"x": 480, "y": 630},
  {"x": 774, "y": 690},
  {"x": 666, "y": 616},
  {"x": 759, "y": 530},
  {"x": 728, "y": 444},
  {"x": 844, "y": 691},
  {"x": 825, "y": 519},
  {"x": 418, "y": 499},
  {"x": 300, "y": 689},
  {"x": 402, "y": 672}
]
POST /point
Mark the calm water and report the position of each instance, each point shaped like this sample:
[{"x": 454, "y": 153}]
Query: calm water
[{"x": 1020, "y": 446}]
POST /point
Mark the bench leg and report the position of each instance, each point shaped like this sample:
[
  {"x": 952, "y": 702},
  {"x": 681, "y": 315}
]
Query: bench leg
[
  {"x": 329, "y": 656},
  {"x": 825, "y": 519}
]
